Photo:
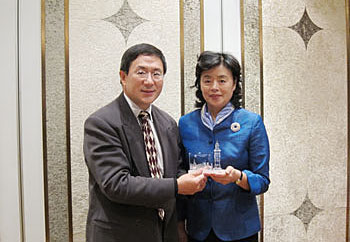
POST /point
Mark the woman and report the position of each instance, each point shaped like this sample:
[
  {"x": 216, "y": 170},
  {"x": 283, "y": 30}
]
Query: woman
[{"x": 226, "y": 210}]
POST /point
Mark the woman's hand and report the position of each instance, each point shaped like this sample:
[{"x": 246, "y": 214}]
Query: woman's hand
[{"x": 230, "y": 175}]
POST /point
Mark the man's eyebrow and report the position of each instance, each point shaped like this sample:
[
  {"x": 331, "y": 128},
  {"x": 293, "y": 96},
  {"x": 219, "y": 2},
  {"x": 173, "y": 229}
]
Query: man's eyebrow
[
  {"x": 207, "y": 75},
  {"x": 140, "y": 67},
  {"x": 145, "y": 68}
]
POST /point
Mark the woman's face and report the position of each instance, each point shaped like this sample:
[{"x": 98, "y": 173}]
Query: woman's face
[{"x": 217, "y": 86}]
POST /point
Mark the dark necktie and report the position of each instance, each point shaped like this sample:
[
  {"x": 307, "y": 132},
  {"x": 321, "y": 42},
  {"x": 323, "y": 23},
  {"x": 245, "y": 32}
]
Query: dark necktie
[
  {"x": 151, "y": 152},
  {"x": 150, "y": 145}
]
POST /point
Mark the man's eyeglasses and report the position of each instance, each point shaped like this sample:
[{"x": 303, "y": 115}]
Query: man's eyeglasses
[{"x": 156, "y": 75}]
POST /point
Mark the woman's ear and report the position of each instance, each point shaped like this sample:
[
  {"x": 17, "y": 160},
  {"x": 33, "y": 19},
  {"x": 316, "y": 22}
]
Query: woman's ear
[{"x": 234, "y": 85}]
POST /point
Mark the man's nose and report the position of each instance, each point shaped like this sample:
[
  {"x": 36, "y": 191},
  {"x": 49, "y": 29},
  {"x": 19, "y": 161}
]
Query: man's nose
[{"x": 149, "y": 79}]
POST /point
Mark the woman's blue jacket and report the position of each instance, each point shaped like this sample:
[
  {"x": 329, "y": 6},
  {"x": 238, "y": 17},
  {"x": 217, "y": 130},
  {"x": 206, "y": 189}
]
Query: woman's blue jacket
[{"x": 229, "y": 210}]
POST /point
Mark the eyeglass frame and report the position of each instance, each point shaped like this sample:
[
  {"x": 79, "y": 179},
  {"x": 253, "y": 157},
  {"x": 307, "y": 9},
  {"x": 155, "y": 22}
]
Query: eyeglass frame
[{"x": 155, "y": 75}]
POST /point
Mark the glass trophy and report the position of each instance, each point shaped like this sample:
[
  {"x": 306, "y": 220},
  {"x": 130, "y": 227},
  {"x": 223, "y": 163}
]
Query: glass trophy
[
  {"x": 204, "y": 161},
  {"x": 199, "y": 161},
  {"x": 217, "y": 160}
]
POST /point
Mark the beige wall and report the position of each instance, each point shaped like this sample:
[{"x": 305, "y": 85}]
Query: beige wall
[{"x": 305, "y": 111}]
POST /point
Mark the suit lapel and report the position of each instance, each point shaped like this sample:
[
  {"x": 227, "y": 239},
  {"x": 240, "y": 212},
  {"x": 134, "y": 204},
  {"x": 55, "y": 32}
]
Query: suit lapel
[{"x": 134, "y": 137}]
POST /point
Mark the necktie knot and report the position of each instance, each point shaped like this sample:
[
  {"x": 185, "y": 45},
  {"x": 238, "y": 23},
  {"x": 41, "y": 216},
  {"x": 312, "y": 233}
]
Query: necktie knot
[{"x": 143, "y": 115}]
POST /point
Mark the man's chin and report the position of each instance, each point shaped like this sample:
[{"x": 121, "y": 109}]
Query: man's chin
[{"x": 148, "y": 100}]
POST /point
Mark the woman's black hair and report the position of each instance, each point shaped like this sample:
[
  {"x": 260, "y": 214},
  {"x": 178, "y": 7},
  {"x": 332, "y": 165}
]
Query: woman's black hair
[{"x": 208, "y": 60}]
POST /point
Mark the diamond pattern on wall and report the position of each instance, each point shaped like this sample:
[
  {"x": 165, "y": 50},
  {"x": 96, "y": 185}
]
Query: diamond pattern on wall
[
  {"x": 126, "y": 20},
  {"x": 305, "y": 28},
  {"x": 306, "y": 212}
]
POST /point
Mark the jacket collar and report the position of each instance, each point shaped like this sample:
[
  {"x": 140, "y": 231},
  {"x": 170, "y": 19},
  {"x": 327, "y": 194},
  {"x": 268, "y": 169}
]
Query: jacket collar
[{"x": 207, "y": 119}]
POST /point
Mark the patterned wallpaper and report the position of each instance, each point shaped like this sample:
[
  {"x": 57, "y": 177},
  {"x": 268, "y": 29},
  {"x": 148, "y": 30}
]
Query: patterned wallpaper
[
  {"x": 305, "y": 28},
  {"x": 126, "y": 20}
]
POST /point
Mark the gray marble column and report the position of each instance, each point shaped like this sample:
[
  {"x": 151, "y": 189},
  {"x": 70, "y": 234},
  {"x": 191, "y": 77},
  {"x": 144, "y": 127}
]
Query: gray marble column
[
  {"x": 251, "y": 56},
  {"x": 192, "y": 49},
  {"x": 252, "y": 71},
  {"x": 58, "y": 212}
]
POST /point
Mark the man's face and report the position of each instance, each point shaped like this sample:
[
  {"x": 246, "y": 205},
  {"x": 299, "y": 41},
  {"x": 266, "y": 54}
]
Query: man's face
[{"x": 144, "y": 82}]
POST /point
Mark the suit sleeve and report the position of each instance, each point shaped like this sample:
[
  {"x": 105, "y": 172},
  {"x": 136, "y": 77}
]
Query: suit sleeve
[
  {"x": 111, "y": 169},
  {"x": 182, "y": 166},
  {"x": 259, "y": 156},
  {"x": 181, "y": 200}
]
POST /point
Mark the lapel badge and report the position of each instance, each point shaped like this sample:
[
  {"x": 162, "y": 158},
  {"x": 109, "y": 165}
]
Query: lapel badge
[{"x": 235, "y": 127}]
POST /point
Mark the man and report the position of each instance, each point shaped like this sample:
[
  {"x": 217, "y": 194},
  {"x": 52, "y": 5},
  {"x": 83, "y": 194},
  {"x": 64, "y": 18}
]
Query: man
[{"x": 133, "y": 161}]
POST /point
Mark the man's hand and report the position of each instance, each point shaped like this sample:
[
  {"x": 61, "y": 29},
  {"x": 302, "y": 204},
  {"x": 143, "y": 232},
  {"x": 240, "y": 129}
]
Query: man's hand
[{"x": 189, "y": 184}]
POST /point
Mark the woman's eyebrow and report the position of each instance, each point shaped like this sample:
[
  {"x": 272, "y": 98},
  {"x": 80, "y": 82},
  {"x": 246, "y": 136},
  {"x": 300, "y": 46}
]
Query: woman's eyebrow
[{"x": 222, "y": 76}]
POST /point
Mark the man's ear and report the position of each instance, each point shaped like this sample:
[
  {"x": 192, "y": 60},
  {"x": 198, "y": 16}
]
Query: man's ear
[{"x": 122, "y": 76}]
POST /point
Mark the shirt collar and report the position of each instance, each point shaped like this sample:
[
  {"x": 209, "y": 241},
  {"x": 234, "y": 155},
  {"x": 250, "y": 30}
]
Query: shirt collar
[
  {"x": 207, "y": 119},
  {"x": 136, "y": 109}
]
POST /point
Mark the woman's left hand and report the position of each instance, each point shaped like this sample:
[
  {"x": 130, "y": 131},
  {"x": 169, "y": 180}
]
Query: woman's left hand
[{"x": 230, "y": 175}]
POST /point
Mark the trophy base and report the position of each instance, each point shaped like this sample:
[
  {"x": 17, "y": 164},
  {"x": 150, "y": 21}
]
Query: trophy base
[{"x": 218, "y": 171}]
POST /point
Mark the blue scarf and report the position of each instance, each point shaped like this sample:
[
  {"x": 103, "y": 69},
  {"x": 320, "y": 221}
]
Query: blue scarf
[{"x": 208, "y": 121}]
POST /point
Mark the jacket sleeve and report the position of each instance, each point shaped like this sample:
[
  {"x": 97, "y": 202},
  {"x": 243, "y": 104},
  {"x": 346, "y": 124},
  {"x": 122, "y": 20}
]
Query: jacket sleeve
[
  {"x": 111, "y": 169},
  {"x": 259, "y": 156},
  {"x": 181, "y": 200}
]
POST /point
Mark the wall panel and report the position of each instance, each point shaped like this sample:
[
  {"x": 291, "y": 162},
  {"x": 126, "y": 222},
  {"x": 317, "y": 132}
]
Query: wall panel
[
  {"x": 305, "y": 105},
  {"x": 10, "y": 205}
]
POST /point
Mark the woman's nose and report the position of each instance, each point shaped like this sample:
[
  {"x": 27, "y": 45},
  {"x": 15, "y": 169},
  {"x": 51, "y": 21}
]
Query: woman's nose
[{"x": 215, "y": 85}]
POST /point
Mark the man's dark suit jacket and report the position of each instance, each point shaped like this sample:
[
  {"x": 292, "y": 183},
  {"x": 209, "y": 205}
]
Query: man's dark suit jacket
[{"x": 123, "y": 198}]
